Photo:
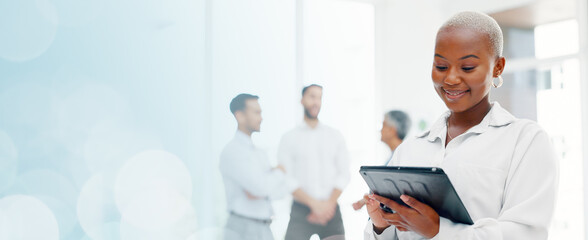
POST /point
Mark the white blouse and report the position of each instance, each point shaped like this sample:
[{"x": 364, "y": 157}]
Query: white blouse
[{"x": 504, "y": 170}]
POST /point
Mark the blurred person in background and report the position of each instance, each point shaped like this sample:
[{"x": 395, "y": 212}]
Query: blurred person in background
[
  {"x": 315, "y": 155},
  {"x": 394, "y": 129},
  {"x": 250, "y": 182}
]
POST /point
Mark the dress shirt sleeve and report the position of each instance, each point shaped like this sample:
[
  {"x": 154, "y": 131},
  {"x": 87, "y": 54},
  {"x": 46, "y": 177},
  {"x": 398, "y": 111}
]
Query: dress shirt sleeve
[
  {"x": 286, "y": 159},
  {"x": 256, "y": 179},
  {"x": 342, "y": 164},
  {"x": 529, "y": 196},
  {"x": 388, "y": 234}
]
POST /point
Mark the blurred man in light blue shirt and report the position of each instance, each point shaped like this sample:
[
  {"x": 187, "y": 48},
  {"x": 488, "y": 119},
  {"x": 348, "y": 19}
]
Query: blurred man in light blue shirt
[{"x": 250, "y": 181}]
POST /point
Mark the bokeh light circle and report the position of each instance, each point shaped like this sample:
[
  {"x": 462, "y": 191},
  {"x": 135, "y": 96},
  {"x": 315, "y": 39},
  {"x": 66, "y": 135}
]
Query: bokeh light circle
[
  {"x": 56, "y": 191},
  {"x": 95, "y": 206},
  {"x": 110, "y": 143},
  {"x": 28, "y": 28},
  {"x": 45, "y": 182},
  {"x": 86, "y": 107},
  {"x": 166, "y": 215},
  {"x": 33, "y": 101},
  {"x": 77, "y": 13},
  {"x": 153, "y": 190},
  {"x": 26, "y": 218}
]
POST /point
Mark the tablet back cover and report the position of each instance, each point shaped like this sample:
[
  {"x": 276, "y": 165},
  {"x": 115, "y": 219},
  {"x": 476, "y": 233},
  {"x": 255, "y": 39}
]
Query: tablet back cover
[{"x": 428, "y": 185}]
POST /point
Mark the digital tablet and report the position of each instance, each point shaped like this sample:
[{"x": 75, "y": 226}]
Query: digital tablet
[{"x": 428, "y": 185}]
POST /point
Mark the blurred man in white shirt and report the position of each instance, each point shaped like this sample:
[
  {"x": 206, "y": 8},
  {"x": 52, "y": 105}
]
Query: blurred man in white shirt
[
  {"x": 250, "y": 181},
  {"x": 316, "y": 157}
]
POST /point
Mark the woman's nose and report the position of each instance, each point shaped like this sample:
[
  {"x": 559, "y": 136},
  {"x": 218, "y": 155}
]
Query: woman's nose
[{"x": 452, "y": 77}]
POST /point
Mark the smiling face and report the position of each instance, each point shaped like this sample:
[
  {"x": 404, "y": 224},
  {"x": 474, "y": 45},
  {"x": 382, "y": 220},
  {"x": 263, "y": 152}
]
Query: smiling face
[{"x": 464, "y": 67}]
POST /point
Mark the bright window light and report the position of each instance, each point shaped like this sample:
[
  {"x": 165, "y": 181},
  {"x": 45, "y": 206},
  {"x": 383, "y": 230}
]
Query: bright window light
[{"x": 556, "y": 39}]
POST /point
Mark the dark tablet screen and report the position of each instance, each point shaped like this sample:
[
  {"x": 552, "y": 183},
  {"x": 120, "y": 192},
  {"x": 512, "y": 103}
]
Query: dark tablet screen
[{"x": 428, "y": 185}]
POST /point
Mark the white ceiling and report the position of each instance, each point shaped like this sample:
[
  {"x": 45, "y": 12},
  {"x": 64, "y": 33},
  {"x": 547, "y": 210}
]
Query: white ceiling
[{"x": 536, "y": 13}]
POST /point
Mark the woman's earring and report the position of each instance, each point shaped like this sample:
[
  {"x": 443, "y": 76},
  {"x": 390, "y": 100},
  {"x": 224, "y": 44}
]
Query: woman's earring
[{"x": 500, "y": 81}]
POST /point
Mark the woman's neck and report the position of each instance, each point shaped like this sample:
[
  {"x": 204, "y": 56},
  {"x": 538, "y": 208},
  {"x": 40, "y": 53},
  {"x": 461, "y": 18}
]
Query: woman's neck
[{"x": 471, "y": 117}]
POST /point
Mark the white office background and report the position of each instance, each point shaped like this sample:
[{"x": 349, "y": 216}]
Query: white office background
[{"x": 113, "y": 113}]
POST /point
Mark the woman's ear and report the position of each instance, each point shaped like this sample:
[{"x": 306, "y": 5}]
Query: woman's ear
[{"x": 499, "y": 66}]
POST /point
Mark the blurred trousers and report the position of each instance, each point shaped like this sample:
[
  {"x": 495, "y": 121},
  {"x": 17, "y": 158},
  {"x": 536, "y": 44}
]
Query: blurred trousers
[
  {"x": 300, "y": 229},
  {"x": 242, "y": 228}
]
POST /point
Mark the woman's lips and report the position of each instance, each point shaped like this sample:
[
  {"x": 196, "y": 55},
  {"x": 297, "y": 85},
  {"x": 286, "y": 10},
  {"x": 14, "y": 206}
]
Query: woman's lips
[{"x": 455, "y": 94}]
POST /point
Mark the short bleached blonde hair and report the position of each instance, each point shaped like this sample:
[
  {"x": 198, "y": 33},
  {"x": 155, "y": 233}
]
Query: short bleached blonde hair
[{"x": 480, "y": 22}]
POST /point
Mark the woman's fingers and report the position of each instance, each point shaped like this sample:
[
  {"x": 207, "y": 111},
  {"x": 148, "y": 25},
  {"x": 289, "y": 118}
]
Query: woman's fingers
[
  {"x": 397, "y": 220},
  {"x": 359, "y": 204},
  {"x": 415, "y": 204},
  {"x": 391, "y": 204},
  {"x": 376, "y": 214},
  {"x": 417, "y": 217}
]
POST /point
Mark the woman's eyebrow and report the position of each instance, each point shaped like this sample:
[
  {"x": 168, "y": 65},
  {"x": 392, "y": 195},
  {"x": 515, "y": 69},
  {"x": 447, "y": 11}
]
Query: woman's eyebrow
[
  {"x": 469, "y": 56},
  {"x": 462, "y": 58}
]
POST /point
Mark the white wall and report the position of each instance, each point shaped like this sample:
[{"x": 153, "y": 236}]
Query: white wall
[
  {"x": 406, "y": 36},
  {"x": 453, "y": 6},
  {"x": 582, "y": 14}
]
